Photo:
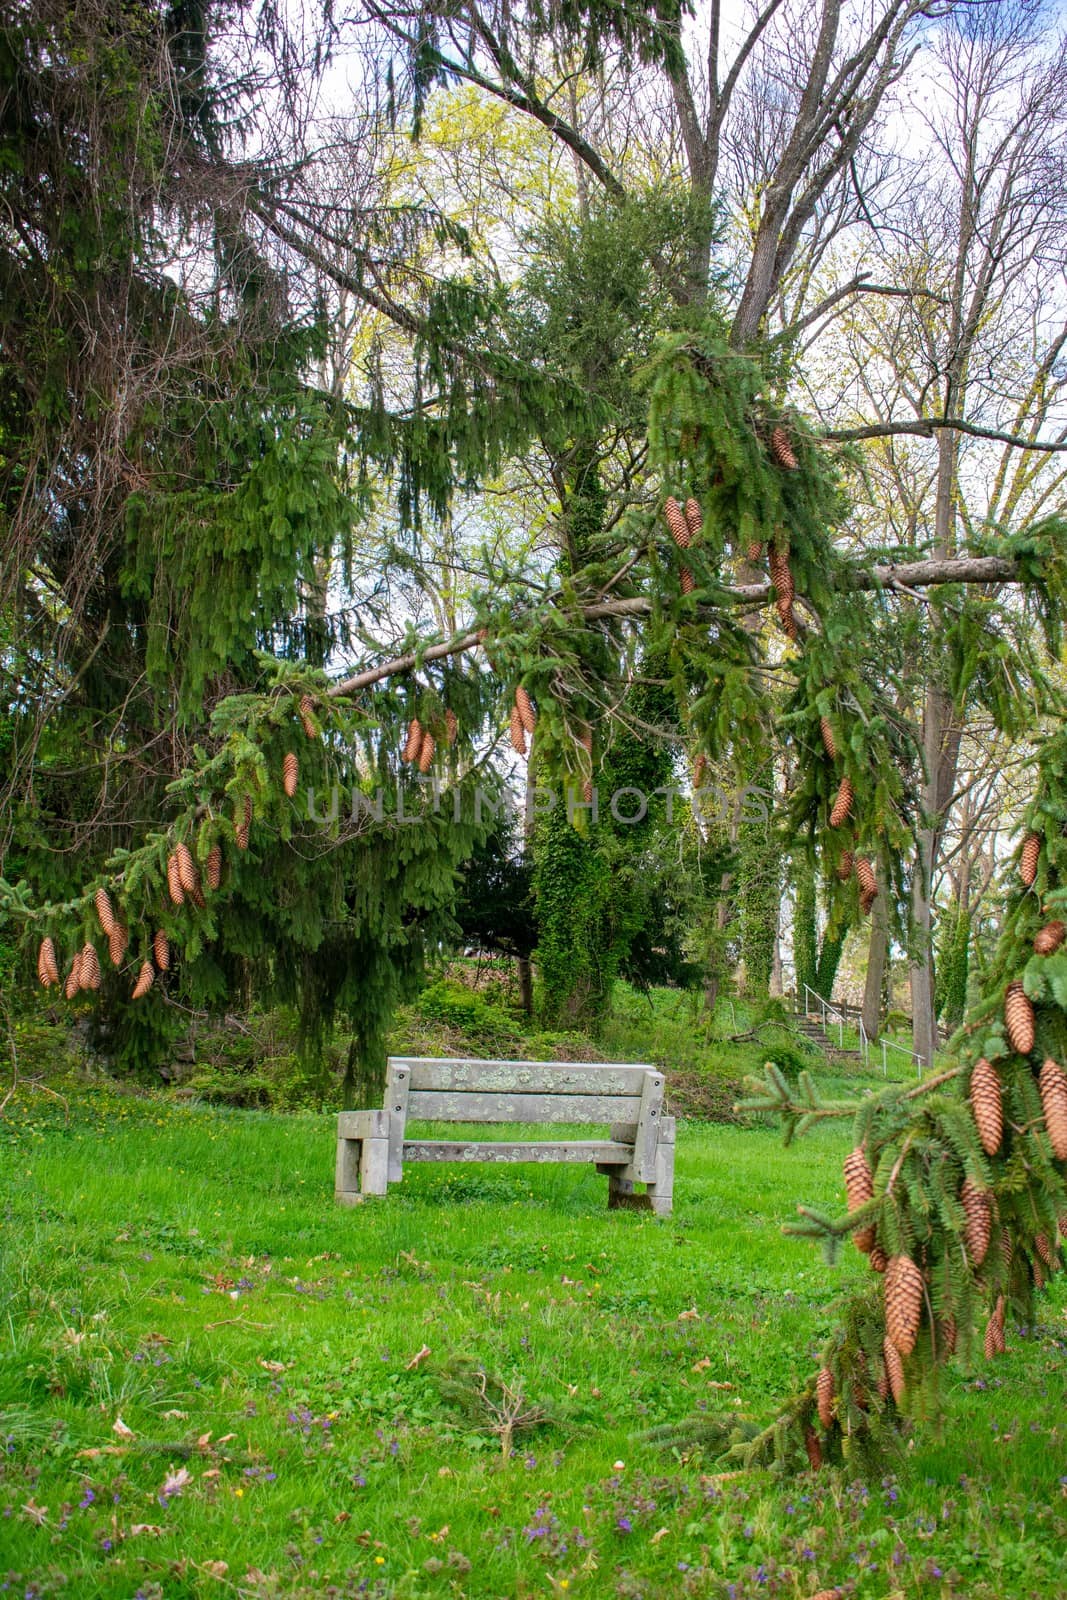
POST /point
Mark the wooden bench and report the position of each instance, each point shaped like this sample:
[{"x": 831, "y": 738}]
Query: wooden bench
[{"x": 372, "y": 1146}]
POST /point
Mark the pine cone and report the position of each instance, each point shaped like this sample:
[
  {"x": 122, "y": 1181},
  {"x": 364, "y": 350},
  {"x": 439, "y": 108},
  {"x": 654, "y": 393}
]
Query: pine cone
[
  {"x": 694, "y": 519},
  {"x": 824, "y": 1397},
  {"x": 989, "y": 1344},
  {"x": 47, "y": 966},
  {"x": 845, "y": 866},
  {"x": 74, "y": 977},
  {"x": 197, "y": 897},
  {"x": 782, "y": 450},
  {"x": 878, "y": 1258},
  {"x": 290, "y": 774},
  {"x": 585, "y": 739},
  {"x": 451, "y": 725},
  {"x": 243, "y": 829},
  {"x": 117, "y": 943},
  {"x": 518, "y": 736},
  {"x": 903, "y": 1302},
  {"x": 187, "y": 873},
  {"x": 754, "y": 552},
  {"x": 978, "y": 1224},
  {"x": 699, "y": 769},
  {"x": 1007, "y": 1249},
  {"x": 859, "y": 1188},
  {"x": 1029, "y": 856},
  {"x": 998, "y": 1313},
  {"x": 414, "y": 740},
  {"x": 948, "y": 1334},
  {"x": 161, "y": 950},
  {"x": 781, "y": 575},
  {"x": 894, "y": 1372},
  {"x": 829, "y": 743},
  {"x": 1048, "y": 941},
  {"x": 587, "y": 791},
  {"x": 676, "y": 523},
  {"x": 986, "y": 1105},
  {"x": 686, "y": 581},
  {"x": 842, "y": 806},
  {"x": 1039, "y": 1275},
  {"x": 104, "y": 910},
  {"x": 174, "y": 882},
  {"x": 90, "y": 968},
  {"x": 307, "y": 716},
  {"x": 1053, "y": 1086},
  {"x": 1019, "y": 1017},
  {"x": 1043, "y": 1246},
  {"x": 429, "y": 745},
  {"x": 784, "y": 607},
  {"x": 145, "y": 979},
  {"x": 213, "y": 867},
  {"x": 813, "y": 1447},
  {"x": 526, "y": 710}
]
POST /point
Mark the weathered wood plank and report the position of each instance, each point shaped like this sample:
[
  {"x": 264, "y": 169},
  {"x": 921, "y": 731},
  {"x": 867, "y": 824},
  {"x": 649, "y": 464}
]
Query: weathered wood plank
[
  {"x": 397, "y": 1090},
  {"x": 456, "y": 1106},
  {"x": 525, "y": 1077},
  {"x": 604, "y": 1151},
  {"x": 363, "y": 1124},
  {"x": 648, "y": 1123}
]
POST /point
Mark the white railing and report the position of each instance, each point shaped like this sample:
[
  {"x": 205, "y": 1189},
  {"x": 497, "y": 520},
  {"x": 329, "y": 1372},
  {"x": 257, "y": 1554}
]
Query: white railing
[{"x": 834, "y": 1016}]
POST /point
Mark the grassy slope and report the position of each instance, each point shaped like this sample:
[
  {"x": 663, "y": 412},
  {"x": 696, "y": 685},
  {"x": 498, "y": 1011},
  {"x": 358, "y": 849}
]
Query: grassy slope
[{"x": 186, "y": 1269}]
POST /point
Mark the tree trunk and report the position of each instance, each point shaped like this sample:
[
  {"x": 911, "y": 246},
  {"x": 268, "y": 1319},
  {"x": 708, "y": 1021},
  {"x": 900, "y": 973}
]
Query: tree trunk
[{"x": 525, "y": 985}]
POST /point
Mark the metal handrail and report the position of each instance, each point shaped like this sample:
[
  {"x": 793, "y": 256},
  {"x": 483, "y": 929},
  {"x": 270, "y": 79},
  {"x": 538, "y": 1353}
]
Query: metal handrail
[{"x": 837, "y": 1014}]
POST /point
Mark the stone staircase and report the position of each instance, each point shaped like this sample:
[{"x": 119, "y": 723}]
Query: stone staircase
[{"x": 811, "y": 1026}]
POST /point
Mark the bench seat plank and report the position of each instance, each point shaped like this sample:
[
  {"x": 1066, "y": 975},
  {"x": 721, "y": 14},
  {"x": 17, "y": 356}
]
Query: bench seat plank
[
  {"x": 523, "y": 1077},
  {"x": 603, "y": 1152},
  {"x": 432, "y": 1105}
]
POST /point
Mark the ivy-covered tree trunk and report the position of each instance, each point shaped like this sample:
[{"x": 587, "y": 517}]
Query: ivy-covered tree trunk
[
  {"x": 759, "y": 894},
  {"x": 805, "y": 940},
  {"x": 877, "y": 956}
]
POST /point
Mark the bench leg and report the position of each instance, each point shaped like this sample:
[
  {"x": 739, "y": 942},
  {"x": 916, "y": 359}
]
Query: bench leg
[
  {"x": 362, "y": 1155},
  {"x": 661, "y": 1193}
]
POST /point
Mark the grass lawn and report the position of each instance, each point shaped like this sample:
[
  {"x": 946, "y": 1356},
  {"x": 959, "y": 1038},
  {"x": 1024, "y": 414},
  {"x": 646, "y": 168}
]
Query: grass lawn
[{"x": 214, "y": 1382}]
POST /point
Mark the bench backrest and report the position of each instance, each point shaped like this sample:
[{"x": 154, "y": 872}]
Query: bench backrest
[{"x": 434, "y": 1090}]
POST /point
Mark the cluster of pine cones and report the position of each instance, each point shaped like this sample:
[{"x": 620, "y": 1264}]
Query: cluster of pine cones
[
  {"x": 184, "y": 882},
  {"x": 840, "y": 812},
  {"x": 523, "y": 720},
  {"x": 420, "y": 745},
  {"x": 685, "y": 526}
]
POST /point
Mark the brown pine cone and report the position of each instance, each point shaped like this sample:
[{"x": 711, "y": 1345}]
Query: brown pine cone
[
  {"x": 145, "y": 979},
  {"x": 676, "y": 523},
  {"x": 74, "y": 977},
  {"x": 978, "y": 1221},
  {"x": 903, "y": 1302},
  {"x": 842, "y": 806},
  {"x": 999, "y": 1315},
  {"x": 290, "y": 773},
  {"x": 1043, "y": 1246},
  {"x": 1048, "y": 941},
  {"x": 782, "y": 450},
  {"x": 1053, "y": 1086},
  {"x": 894, "y": 1372},
  {"x": 161, "y": 950},
  {"x": 754, "y": 552},
  {"x": 526, "y": 709},
  {"x": 781, "y": 574},
  {"x": 686, "y": 580},
  {"x": 174, "y": 881},
  {"x": 429, "y": 745},
  {"x": 587, "y": 791},
  {"x": 829, "y": 743},
  {"x": 1007, "y": 1249},
  {"x": 989, "y": 1343},
  {"x": 699, "y": 769},
  {"x": 784, "y": 607},
  {"x": 451, "y": 725},
  {"x": 213, "y": 867},
  {"x": 117, "y": 943},
  {"x": 1019, "y": 1017},
  {"x": 414, "y": 740},
  {"x": 1029, "y": 856},
  {"x": 845, "y": 866},
  {"x": 878, "y": 1258},
  {"x": 518, "y": 735},
  {"x": 104, "y": 911},
  {"x": 986, "y": 1105},
  {"x": 948, "y": 1334},
  {"x": 307, "y": 716},
  {"x": 824, "y": 1397},
  {"x": 90, "y": 968},
  {"x": 197, "y": 897},
  {"x": 694, "y": 519},
  {"x": 859, "y": 1188},
  {"x": 585, "y": 739},
  {"x": 47, "y": 966},
  {"x": 187, "y": 873},
  {"x": 813, "y": 1447},
  {"x": 243, "y": 829}
]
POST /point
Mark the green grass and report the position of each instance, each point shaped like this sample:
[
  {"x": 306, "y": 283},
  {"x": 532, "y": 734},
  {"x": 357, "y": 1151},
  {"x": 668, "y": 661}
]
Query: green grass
[{"x": 185, "y": 1269}]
